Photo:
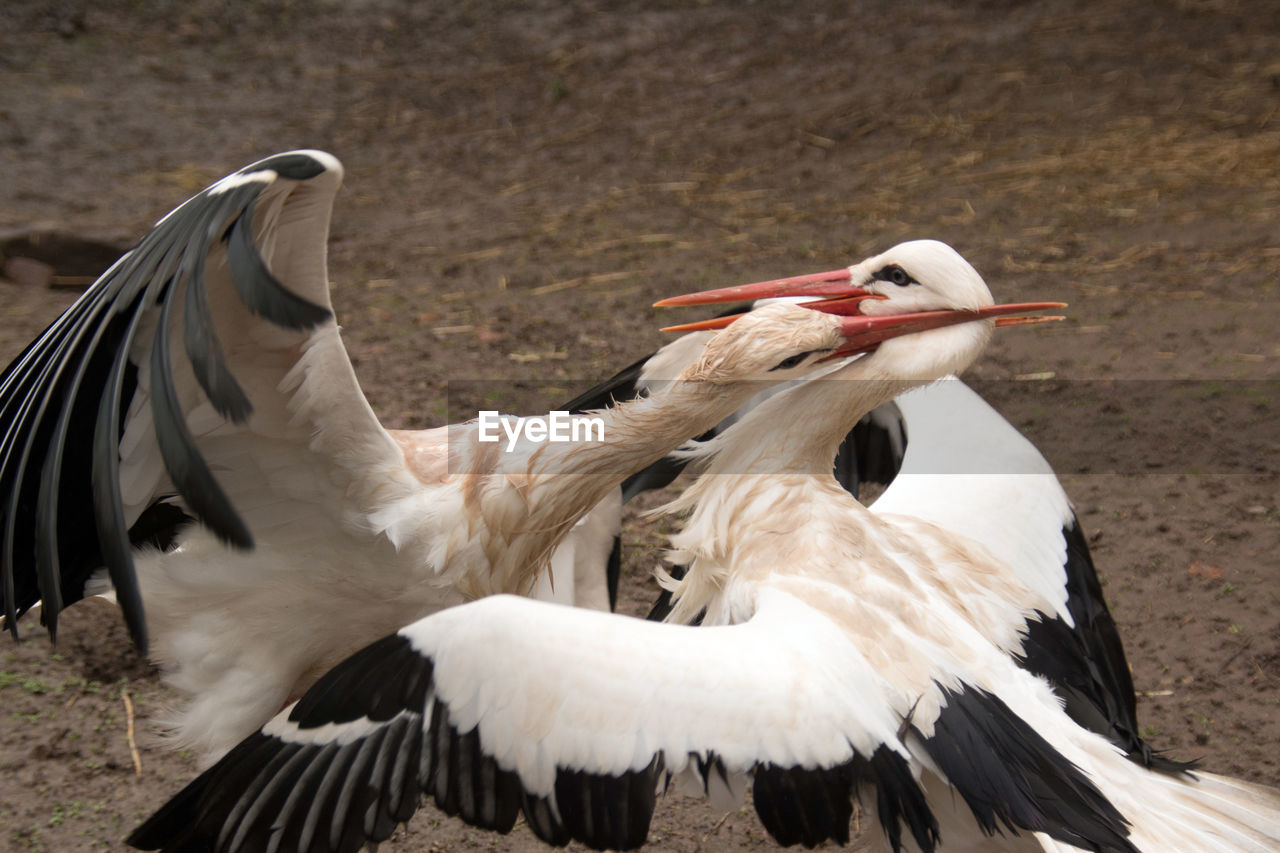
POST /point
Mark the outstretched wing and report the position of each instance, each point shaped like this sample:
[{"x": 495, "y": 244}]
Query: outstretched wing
[
  {"x": 195, "y": 333},
  {"x": 572, "y": 717},
  {"x": 970, "y": 471},
  {"x": 576, "y": 718}
]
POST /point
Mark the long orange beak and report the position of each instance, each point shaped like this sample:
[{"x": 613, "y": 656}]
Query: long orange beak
[
  {"x": 863, "y": 333},
  {"x": 830, "y": 283}
]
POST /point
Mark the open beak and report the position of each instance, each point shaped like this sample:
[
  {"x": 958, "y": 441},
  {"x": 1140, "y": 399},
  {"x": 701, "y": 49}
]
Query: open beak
[
  {"x": 834, "y": 294},
  {"x": 863, "y": 333}
]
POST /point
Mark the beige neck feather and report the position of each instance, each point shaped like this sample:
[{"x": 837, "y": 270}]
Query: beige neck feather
[{"x": 558, "y": 483}]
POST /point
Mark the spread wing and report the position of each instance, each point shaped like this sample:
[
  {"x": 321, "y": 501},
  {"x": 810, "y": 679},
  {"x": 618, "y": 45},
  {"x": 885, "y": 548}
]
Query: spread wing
[
  {"x": 571, "y": 717},
  {"x": 575, "y": 719},
  {"x": 968, "y": 470},
  {"x": 128, "y": 416}
]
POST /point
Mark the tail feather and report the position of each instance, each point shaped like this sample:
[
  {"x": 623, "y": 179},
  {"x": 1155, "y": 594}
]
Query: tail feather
[
  {"x": 1200, "y": 812},
  {"x": 1244, "y": 816}
]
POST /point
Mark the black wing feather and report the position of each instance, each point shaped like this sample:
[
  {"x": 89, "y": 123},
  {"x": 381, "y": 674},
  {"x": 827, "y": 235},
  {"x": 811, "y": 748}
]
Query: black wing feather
[
  {"x": 187, "y": 468},
  {"x": 382, "y": 802},
  {"x": 869, "y": 453},
  {"x": 292, "y": 165},
  {"x": 362, "y": 787},
  {"x": 76, "y": 377},
  {"x": 808, "y": 806},
  {"x": 248, "y": 807},
  {"x": 400, "y": 798},
  {"x": 802, "y": 806},
  {"x": 203, "y": 348},
  {"x": 25, "y": 401},
  {"x": 1085, "y": 663},
  {"x": 619, "y": 388},
  {"x": 287, "y": 826},
  {"x": 261, "y": 291},
  {"x": 317, "y": 831},
  {"x": 1012, "y": 778},
  {"x": 108, "y": 504},
  {"x": 62, "y": 494}
]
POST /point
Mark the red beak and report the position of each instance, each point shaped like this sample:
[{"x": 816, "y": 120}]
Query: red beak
[
  {"x": 863, "y": 333},
  {"x": 830, "y": 283}
]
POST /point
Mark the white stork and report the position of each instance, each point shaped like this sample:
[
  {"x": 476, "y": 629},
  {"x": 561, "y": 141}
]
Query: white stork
[
  {"x": 948, "y": 444},
  {"x": 842, "y": 653},
  {"x": 203, "y": 378}
]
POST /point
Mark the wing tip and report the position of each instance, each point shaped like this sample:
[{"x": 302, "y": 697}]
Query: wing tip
[{"x": 302, "y": 164}]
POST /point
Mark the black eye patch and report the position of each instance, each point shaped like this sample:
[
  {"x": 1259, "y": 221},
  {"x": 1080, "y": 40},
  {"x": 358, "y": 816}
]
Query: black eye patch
[{"x": 894, "y": 274}]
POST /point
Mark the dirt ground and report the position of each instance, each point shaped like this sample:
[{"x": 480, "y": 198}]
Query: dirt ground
[{"x": 523, "y": 180}]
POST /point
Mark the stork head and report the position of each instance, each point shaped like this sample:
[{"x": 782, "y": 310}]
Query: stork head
[
  {"x": 773, "y": 343},
  {"x": 917, "y": 277},
  {"x": 920, "y": 275},
  {"x": 920, "y": 306}
]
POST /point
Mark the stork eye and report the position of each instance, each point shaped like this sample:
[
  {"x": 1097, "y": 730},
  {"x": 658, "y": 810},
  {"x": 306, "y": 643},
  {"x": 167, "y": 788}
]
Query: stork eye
[
  {"x": 793, "y": 361},
  {"x": 896, "y": 275}
]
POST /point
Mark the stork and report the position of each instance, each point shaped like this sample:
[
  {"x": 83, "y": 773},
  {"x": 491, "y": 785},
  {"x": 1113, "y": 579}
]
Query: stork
[
  {"x": 842, "y": 653},
  {"x": 950, "y": 449},
  {"x": 203, "y": 378}
]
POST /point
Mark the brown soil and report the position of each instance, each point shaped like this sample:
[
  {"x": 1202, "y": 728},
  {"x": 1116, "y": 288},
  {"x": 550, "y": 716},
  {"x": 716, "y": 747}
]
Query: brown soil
[{"x": 522, "y": 185}]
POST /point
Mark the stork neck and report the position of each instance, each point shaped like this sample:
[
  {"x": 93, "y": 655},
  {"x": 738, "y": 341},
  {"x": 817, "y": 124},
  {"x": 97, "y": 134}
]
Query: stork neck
[
  {"x": 780, "y": 452},
  {"x": 639, "y": 432},
  {"x": 838, "y": 403},
  {"x": 819, "y": 412},
  {"x": 559, "y": 483}
]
